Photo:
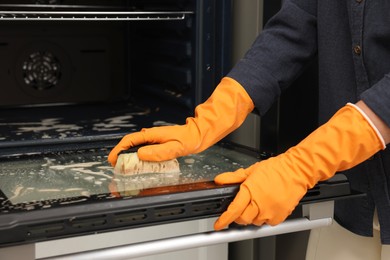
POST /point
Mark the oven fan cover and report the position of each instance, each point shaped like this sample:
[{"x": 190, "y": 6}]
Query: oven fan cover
[{"x": 42, "y": 69}]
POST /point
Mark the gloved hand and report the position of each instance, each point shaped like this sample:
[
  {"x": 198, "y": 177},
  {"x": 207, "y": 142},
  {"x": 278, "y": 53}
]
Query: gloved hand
[
  {"x": 272, "y": 188},
  {"x": 224, "y": 111}
]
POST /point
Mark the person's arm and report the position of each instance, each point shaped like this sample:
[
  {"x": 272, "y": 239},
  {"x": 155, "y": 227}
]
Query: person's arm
[
  {"x": 282, "y": 51},
  {"x": 272, "y": 188},
  {"x": 375, "y": 102},
  {"x": 382, "y": 127}
]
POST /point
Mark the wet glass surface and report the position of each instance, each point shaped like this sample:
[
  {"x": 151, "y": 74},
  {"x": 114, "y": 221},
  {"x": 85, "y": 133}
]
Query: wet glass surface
[{"x": 41, "y": 181}]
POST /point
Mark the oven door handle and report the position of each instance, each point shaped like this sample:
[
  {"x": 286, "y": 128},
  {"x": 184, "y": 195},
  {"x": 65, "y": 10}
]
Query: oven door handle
[{"x": 196, "y": 240}]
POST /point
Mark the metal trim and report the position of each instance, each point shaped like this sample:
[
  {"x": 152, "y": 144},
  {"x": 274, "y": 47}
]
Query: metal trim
[{"x": 197, "y": 240}]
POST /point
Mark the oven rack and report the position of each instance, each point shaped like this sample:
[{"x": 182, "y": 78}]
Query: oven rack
[{"x": 92, "y": 15}]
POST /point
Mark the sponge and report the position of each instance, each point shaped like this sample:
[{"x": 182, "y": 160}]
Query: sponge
[{"x": 130, "y": 164}]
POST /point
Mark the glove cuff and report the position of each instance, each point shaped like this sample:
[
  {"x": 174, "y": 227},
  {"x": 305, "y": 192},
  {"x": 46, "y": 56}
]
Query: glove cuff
[{"x": 374, "y": 128}]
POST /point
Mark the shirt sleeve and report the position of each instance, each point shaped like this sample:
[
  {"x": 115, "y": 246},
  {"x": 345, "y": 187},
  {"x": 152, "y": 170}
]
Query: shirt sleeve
[
  {"x": 378, "y": 98},
  {"x": 279, "y": 54}
]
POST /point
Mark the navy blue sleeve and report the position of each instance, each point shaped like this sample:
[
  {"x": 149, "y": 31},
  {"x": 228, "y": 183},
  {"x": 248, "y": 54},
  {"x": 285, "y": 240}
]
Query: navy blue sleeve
[
  {"x": 279, "y": 54},
  {"x": 378, "y": 98}
]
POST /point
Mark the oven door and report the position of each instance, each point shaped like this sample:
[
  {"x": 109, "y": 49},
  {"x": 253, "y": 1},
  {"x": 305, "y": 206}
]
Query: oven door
[{"x": 75, "y": 192}]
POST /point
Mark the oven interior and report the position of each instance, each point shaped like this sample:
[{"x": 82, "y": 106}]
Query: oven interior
[{"x": 86, "y": 72}]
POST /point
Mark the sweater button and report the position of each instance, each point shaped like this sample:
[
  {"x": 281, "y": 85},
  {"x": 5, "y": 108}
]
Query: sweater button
[
  {"x": 359, "y": 1},
  {"x": 357, "y": 49}
]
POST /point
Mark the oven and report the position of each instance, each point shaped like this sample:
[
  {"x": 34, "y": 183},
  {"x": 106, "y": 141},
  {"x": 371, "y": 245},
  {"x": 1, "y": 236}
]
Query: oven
[{"x": 78, "y": 75}]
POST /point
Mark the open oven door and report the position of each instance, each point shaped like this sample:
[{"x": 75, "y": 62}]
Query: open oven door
[{"x": 60, "y": 195}]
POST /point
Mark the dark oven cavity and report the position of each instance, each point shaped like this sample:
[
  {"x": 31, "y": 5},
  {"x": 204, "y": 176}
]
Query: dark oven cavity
[{"x": 95, "y": 70}]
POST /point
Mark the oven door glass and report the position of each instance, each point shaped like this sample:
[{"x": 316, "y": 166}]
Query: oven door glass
[{"x": 40, "y": 181}]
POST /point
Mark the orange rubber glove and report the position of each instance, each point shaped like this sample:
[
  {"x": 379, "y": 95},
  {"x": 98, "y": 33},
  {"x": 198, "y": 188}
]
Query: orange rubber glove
[
  {"x": 272, "y": 188},
  {"x": 224, "y": 111}
]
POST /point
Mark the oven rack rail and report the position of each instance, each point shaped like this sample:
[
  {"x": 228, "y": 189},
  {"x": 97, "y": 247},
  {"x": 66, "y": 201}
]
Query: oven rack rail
[{"x": 92, "y": 15}]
